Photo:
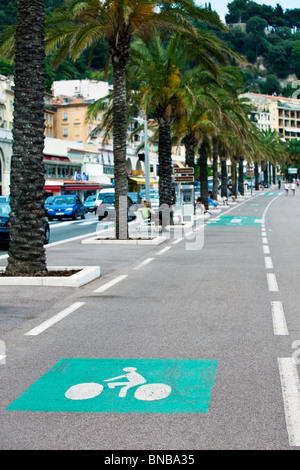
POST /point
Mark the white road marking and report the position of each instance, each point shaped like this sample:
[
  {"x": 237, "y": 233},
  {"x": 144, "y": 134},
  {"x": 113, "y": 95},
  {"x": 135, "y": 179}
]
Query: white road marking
[
  {"x": 147, "y": 261},
  {"x": 111, "y": 283},
  {"x": 279, "y": 322},
  {"x": 272, "y": 282},
  {"x": 2, "y": 357},
  {"x": 268, "y": 262},
  {"x": 177, "y": 241},
  {"x": 291, "y": 398},
  {"x": 161, "y": 252},
  {"x": 266, "y": 249},
  {"x": 265, "y": 240},
  {"x": 56, "y": 318}
]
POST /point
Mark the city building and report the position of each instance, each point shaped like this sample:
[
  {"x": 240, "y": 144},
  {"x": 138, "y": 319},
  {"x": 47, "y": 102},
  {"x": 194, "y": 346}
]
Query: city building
[{"x": 276, "y": 113}]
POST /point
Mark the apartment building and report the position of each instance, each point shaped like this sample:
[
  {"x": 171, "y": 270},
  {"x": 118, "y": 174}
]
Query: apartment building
[
  {"x": 6, "y": 102},
  {"x": 276, "y": 113}
]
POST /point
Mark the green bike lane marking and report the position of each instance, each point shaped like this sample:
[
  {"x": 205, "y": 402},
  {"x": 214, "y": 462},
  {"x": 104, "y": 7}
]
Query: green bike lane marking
[
  {"x": 122, "y": 386},
  {"x": 236, "y": 221}
]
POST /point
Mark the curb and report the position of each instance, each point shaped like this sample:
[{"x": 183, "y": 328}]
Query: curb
[
  {"x": 99, "y": 241},
  {"x": 85, "y": 275}
]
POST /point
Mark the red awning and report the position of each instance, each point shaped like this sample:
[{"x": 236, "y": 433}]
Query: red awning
[
  {"x": 52, "y": 189},
  {"x": 57, "y": 159},
  {"x": 75, "y": 187}
]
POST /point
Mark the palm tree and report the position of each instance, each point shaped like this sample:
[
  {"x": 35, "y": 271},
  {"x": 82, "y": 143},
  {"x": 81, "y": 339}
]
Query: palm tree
[
  {"x": 26, "y": 249},
  {"x": 79, "y": 24}
]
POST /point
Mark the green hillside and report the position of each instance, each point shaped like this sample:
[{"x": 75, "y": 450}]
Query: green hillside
[{"x": 265, "y": 36}]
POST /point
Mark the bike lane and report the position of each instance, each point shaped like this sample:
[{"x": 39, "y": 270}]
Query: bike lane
[{"x": 184, "y": 320}]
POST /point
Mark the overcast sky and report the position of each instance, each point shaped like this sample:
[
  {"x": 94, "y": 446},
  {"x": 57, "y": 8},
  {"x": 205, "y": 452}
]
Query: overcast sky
[{"x": 221, "y": 6}]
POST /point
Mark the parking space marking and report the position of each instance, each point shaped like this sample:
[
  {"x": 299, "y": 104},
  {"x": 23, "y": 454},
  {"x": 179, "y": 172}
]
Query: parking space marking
[
  {"x": 279, "y": 322},
  {"x": 56, "y": 318},
  {"x": 111, "y": 283},
  {"x": 291, "y": 398}
]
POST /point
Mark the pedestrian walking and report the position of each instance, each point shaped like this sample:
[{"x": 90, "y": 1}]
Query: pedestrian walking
[
  {"x": 293, "y": 188},
  {"x": 279, "y": 184},
  {"x": 286, "y": 188}
]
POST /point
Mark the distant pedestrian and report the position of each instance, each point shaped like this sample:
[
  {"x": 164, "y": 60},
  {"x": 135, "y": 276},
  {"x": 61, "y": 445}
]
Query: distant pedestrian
[
  {"x": 279, "y": 184},
  {"x": 293, "y": 188},
  {"x": 286, "y": 188}
]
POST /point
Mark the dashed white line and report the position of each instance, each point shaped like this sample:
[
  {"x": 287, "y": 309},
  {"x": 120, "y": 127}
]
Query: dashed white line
[
  {"x": 177, "y": 241},
  {"x": 264, "y": 240},
  {"x": 144, "y": 263},
  {"x": 291, "y": 398},
  {"x": 56, "y": 318},
  {"x": 111, "y": 283},
  {"x": 272, "y": 282},
  {"x": 279, "y": 322},
  {"x": 268, "y": 262},
  {"x": 161, "y": 252},
  {"x": 266, "y": 249}
]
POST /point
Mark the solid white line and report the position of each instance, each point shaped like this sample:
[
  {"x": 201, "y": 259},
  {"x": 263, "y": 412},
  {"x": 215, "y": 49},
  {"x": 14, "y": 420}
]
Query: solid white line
[
  {"x": 56, "y": 318},
  {"x": 291, "y": 398},
  {"x": 268, "y": 262},
  {"x": 279, "y": 323},
  {"x": 111, "y": 283},
  {"x": 164, "y": 250},
  {"x": 272, "y": 283},
  {"x": 147, "y": 261},
  {"x": 266, "y": 249}
]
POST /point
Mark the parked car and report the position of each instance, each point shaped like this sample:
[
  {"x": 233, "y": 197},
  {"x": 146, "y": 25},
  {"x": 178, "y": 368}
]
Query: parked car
[
  {"x": 106, "y": 208},
  {"x": 66, "y": 206},
  {"x": 5, "y": 222},
  {"x": 48, "y": 201},
  {"x": 100, "y": 196},
  {"x": 89, "y": 203}
]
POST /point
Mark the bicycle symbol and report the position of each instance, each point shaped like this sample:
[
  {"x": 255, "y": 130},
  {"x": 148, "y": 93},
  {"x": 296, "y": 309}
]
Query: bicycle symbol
[{"x": 147, "y": 392}]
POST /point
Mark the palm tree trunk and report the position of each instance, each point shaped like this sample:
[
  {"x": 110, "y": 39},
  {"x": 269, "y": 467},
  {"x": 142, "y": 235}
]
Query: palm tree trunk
[
  {"x": 256, "y": 175},
  {"x": 165, "y": 173},
  {"x": 233, "y": 176},
  {"x": 203, "y": 174},
  {"x": 215, "y": 167},
  {"x": 223, "y": 176},
  {"x": 241, "y": 176},
  {"x": 189, "y": 144},
  {"x": 26, "y": 255},
  {"x": 119, "y": 147}
]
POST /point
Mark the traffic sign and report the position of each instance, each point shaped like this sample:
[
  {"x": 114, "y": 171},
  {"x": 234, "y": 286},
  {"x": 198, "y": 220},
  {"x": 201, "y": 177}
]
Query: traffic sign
[
  {"x": 184, "y": 171},
  {"x": 122, "y": 386},
  {"x": 184, "y": 179}
]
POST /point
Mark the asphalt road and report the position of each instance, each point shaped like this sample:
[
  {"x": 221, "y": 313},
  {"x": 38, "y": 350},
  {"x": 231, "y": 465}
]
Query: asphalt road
[{"x": 213, "y": 316}]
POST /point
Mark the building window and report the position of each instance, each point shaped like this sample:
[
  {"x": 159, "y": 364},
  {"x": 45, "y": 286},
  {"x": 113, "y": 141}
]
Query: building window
[
  {"x": 65, "y": 132},
  {"x": 65, "y": 116}
]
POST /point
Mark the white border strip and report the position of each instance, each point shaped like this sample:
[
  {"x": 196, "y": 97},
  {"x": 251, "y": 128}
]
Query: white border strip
[
  {"x": 291, "y": 398},
  {"x": 59, "y": 316}
]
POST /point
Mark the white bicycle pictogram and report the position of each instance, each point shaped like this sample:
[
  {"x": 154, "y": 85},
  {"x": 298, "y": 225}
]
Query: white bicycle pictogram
[{"x": 145, "y": 392}]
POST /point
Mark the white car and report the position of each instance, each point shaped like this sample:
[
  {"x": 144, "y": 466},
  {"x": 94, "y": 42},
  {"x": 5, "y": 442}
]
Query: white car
[{"x": 102, "y": 193}]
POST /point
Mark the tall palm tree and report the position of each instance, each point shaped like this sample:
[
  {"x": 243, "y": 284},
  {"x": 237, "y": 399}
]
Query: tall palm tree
[
  {"x": 80, "y": 24},
  {"x": 26, "y": 255}
]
